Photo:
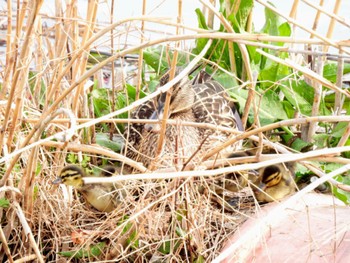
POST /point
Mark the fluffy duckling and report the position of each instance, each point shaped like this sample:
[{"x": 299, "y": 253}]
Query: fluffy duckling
[
  {"x": 102, "y": 197},
  {"x": 274, "y": 183},
  {"x": 234, "y": 182}
]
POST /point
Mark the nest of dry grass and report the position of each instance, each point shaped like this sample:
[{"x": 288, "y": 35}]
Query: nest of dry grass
[{"x": 168, "y": 220}]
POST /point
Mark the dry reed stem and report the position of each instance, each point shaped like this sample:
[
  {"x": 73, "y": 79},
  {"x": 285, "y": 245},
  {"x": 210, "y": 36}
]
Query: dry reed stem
[
  {"x": 317, "y": 18},
  {"x": 150, "y": 43},
  {"x": 207, "y": 173},
  {"x": 332, "y": 181},
  {"x": 39, "y": 127},
  {"x": 275, "y": 216},
  {"x": 98, "y": 150},
  {"x": 294, "y": 9},
  {"x": 344, "y": 137},
  {"x": 29, "y": 258},
  {"x": 332, "y": 24},
  {"x": 19, "y": 76},
  {"x": 339, "y": 19},
  {"x": 250, "y": 99},
  {"x": 5, "y": 246},
  {"x": 243, "y": 49},
  {"x": 317, "y": 97},
  {"x": 9, "y": 53},
  {"x": 307, "y": 72},
  {"x": 90, "y": 25},
  {"x": 83, "y": 78},
  {"x": 294, "y": 22},
  {"x": 237, "y": 138},
  {"x": 28, "y": 232},
  {"x": 275, "y": 126},
  {"x": 338, "y": 103},
  {"x": 166, "y": 111}
]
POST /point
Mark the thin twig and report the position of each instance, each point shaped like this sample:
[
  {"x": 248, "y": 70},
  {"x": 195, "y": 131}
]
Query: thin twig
[
  {"x": 28, "y": 231},
  {"x": 231, "y": 169}
]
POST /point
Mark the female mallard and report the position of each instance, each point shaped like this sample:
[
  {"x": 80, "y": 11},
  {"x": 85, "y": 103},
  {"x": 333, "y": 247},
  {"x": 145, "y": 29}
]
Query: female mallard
[
  {"x": 274, "y": 183},
  {"x": 201, "y": 100},
  {"x": 103, "y": 197}
]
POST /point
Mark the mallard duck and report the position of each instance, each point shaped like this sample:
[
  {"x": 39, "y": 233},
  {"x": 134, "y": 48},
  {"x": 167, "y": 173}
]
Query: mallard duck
[
  {"x": 274, "y": 183},
  {"x": 201, "y": 100},
  {"x": 103, "y": 197}
]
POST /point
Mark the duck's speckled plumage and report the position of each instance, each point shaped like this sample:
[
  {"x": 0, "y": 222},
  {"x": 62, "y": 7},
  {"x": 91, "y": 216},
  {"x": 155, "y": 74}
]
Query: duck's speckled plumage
[{"x": 201, "y": 100}]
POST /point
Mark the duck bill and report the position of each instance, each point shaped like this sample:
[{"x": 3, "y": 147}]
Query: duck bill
[
  {"x": 158, "y": 116},
  {"x": 57, "y": 181},
  {"x": 261, "y": 187}
]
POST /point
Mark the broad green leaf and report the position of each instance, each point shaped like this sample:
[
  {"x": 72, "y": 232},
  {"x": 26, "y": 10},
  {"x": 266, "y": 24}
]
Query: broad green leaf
[
  {"x": 100, "y": 101},
  {"x": 272, "y": 22},
  {"x": 270, "y": 108},
  {"x": 103, "y": 140},
  {"x": 4, "y": 203},
  {"x": 268, "y": 75},
  {"x": 330, "y": 70},
  {"x": 201, "y": 19},
  {"x": 321, "y": 140},
  {"x": 300, "y": 95},
  {"x": 180, "y": 232},
  {"x": 92, "y": 251},
  {"x": 157, "y": 58},
  {"x": 168, "y": 247},
  {"x": 300, "y": 145},
  {"x": 131, "y": 90},
  {"x": 200, "y": 259},
  {"x": 339, "y": 129},
  {"x": 243, "y": 13},
  {"x": 339, "y": 193}
]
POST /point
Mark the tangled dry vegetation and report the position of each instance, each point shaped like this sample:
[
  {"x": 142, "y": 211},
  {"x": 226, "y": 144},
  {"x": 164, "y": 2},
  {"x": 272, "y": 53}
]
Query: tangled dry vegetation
[{"x": 48, "y": 118}]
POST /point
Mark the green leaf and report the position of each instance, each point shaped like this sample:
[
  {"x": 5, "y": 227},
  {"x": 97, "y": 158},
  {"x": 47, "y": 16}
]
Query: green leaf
[
  {"x": 330, "y": 70},
  {"x": 243, "y": 13},
  {"x": 168, "y": 247},
  {"x": 339, "y": 193},
  {"x": 200, "y": 259},
  {"x": 157, "y": 58},
  {"x": 201, "y": 19},
  {"x": 4, "y": 203},
  {"x": 271, "y": 107},
  {"x": 165, "y": 247},
  {"x": 272, "y": 22},
  {"x": 339, "y": 129},
  {"x": 300, "y": 95},
  {"x": 72, "y": 158},
  {"x": 100, "y": 101},
  {"x": 180, "y": 232},
  {"x": 103, "y": 140},
  {"x": 131, "y": 90},
  {"x": 300, "y": 145},
  {"x": 92, "y": 251}
]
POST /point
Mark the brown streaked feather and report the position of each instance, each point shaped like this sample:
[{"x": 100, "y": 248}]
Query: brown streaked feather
[{"x": 201, "y": 100}]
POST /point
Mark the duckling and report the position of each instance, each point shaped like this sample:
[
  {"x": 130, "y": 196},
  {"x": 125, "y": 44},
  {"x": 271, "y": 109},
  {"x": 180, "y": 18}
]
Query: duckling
[
  {"x": 274, "y": 183},
  {"x": 99, "y": 196},
  {"x": 236, "y": 181}
]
